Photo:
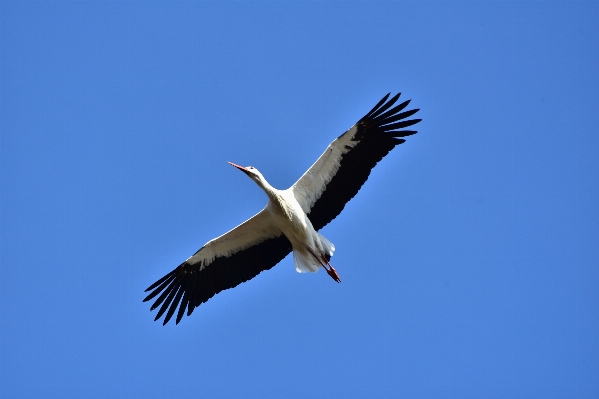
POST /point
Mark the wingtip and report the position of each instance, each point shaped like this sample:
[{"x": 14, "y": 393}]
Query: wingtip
[
  {"x": 377, "y": 106},
  {"x": 163, "y": 279},
  {"x": 383, "y": 105}
]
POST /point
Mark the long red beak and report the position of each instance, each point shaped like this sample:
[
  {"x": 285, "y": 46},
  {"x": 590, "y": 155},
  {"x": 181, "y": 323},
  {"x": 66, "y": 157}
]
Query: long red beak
[{"x": 239, "y": 167}]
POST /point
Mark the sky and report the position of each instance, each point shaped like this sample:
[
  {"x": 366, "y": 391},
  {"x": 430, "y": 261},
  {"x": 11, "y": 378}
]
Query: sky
[{"x": 469, "y": 259}]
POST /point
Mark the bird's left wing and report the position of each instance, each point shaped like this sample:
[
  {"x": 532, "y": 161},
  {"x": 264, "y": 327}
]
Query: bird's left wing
[
  {"x": 224, "y": 262},
  {"x": 342, "y": 169}
]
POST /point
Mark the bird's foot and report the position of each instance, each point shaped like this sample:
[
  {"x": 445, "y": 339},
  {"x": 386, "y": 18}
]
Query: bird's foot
[{"x": 333, "y": 273}]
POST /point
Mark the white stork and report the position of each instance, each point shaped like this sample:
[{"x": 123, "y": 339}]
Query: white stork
[{"x": 291, "y": 219}]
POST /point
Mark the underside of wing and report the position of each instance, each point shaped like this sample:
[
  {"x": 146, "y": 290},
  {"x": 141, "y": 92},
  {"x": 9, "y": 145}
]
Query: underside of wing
[
  {"x": 342, "y": 169},
  {"x": 223, "y": 263}
]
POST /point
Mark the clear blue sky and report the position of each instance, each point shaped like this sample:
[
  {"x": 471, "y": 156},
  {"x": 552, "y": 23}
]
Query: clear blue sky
[{"x": 470, "y": 259}]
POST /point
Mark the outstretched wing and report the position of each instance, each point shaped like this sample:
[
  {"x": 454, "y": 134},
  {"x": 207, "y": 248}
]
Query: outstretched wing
[
  {"x": 336, "y": 177},
  {"x": 225, "y": 262}
]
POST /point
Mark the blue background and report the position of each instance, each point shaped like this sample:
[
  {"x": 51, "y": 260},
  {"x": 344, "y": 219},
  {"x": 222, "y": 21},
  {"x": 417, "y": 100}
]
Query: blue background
[{"x": 469, "y": 259}]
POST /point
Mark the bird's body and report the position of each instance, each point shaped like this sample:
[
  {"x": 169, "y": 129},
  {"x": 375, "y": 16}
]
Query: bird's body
[
  {"x": 291, "y": 218},
  {"x": 310, "y": 249},
  {"x": 284, "y": 214}
]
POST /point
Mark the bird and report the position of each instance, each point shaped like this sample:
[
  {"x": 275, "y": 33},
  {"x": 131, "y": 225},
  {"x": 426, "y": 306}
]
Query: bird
[{"x": 291, "y": 219}]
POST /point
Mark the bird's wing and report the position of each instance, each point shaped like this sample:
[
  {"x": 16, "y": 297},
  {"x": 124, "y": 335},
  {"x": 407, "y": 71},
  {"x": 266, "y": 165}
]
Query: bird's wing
[
  {"x": 342, "y": 169},
  {"x": 224, "y": 262}
]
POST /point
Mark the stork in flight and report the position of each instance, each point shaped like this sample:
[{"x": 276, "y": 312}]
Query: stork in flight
[{"x": 291, "y": 219}]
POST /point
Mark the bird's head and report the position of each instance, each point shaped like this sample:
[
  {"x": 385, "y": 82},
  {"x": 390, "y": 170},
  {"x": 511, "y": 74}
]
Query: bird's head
[{"x": 252, "y": 172}]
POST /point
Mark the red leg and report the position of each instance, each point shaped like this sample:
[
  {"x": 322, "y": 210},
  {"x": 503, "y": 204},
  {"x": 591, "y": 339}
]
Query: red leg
[{"x": 331, "y": 271}]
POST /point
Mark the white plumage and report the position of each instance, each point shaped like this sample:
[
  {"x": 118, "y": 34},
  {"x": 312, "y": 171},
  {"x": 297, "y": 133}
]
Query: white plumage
[
  {"x": 282, "y": 215},
  {"x": 310, "y": 186},
  {"x": 291, "y": 218}
]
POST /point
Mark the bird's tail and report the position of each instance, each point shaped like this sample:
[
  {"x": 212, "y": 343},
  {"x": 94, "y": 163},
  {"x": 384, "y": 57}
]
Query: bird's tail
[
  {"x": 310, "y": 262},
  {"x": 328, "y": 246}
]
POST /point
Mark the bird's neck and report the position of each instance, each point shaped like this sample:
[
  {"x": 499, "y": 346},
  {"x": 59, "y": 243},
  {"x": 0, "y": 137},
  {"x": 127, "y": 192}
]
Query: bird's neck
[
  {"x": 268, "y": 189},
  {"x": 276, "y": 199}
]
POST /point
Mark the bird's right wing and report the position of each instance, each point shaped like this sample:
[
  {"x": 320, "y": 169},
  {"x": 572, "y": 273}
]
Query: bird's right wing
[
  {"x": 224, "y": 262},
  {"x": 342, "y": 169}
]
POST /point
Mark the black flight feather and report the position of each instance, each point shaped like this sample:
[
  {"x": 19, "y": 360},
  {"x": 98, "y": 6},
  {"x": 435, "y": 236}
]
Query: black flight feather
[{"x": 376, "y": 136}]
